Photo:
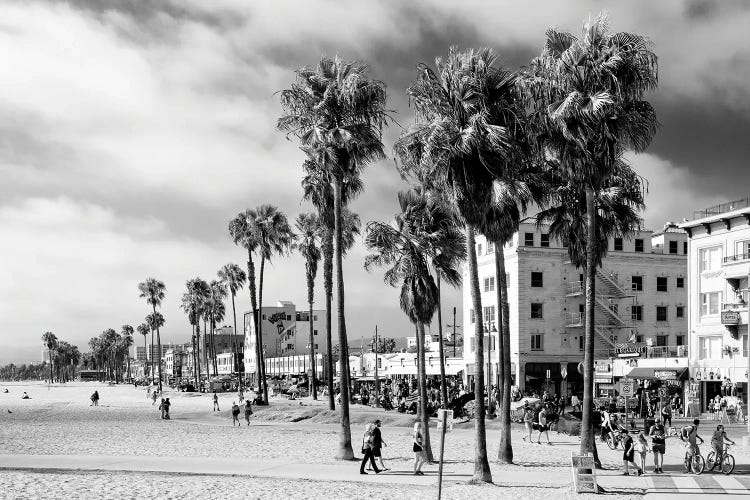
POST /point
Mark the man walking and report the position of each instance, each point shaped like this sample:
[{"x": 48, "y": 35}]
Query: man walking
[{"x": 216, "y": 402}]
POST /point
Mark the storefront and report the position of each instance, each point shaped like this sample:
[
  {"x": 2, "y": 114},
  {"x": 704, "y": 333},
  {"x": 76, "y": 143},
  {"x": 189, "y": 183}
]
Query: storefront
[
  {"x": 712, "y": 382},
  {"x": 660, "y": 385},
  {"x": 555, "y": 378}
]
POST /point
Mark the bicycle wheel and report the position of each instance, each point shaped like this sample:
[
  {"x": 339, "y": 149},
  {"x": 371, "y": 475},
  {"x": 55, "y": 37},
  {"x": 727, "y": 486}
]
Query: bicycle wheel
[
  {"x": 711, "y": 461},
  {"x": 611, "y": 442},
  {"x": 698, "y": 464},
  {"x": 727, "y": 465}
]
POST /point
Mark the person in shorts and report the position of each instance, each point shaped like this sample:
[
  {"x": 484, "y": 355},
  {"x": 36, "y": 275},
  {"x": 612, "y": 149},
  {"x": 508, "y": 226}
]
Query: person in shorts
[
  {"x": 248, "y": 410},
  {"x": 689, "y": 434},
  {"x": 666, "y": 415},
  {"x": 628, "y": 456},
  {"x": 235, "y": 414},
  {"x": 658, "y": 445},
  {"x": 216, "y": 402},
  {"x": 717, "y": 441},
  {"x": 543, "y": 425}
]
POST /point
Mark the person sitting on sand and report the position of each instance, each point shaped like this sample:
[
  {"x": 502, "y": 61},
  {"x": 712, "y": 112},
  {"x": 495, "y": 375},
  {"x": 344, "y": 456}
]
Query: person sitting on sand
[
  {"x": 248, "y": 411},
  {"x": 235, "y": 414},
  {"x": 5, "y": 390},
  {"x": 25, "y": 396}
]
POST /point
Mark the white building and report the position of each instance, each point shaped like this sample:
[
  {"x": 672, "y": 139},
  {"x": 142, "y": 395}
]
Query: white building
[
  {"x": 640, "y": 307},
  {"x": 718, "y": 270}
]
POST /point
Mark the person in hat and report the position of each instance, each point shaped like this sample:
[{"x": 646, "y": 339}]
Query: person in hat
[{"x": 377, "y": 444}]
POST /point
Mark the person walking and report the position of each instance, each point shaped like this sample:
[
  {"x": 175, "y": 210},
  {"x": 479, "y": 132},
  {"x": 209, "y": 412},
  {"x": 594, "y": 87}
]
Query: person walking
[
  {"x": 641, "y": 448},
  {"x": 666, "y": 415},
  {"x": 248, "y": 411},
  {"x": 367, "y": 443},
  {"x": 241, "y": 395},
  {"x": 418, "y": 448},
  {"x": 161, "y": 408},
  {"x": 528, "y": 421},
  {"x": 165, "y": 406},
  {"x": 235, "y": 414},
  {"x": 575, "y": 403},
  {"x": 95, "y": 399},
  {"x": 154, "y": 395},
  {"x": 658, "y": 446},
  {"x": 543, "y": 427},
  {"x": 629, "y": 454},
  {"x": 377, "y": 444},
  {"x": 216, "y": 402}
]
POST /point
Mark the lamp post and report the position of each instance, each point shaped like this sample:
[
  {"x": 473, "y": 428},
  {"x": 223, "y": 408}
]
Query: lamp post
[
  {"x": 377, "y": 385},
  {"x": 454, "y": 326}
]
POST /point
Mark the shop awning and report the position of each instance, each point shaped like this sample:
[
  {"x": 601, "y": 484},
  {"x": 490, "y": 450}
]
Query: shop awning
[{"x": 658, "y": 373}]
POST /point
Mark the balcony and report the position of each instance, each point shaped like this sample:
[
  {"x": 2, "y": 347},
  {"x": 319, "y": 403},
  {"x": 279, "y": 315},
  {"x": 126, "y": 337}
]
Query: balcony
[
  {"x": 734, "y": 306},
  {"x": 736, "y": 266},
  {"x": 669, "y": 351},
  {"x": 736, "y": 258}
]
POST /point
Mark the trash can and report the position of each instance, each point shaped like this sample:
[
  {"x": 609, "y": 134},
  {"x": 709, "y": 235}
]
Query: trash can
[{"x": 647, "y": 424}]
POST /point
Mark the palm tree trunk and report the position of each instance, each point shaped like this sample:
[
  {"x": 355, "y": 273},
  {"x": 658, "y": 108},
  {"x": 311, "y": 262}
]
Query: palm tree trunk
[
  {"x": 158, "y": 346},
  {"x": 443, "y": 387},
  {"x": 262, "y": 367},
  {"x": 505, "y": 452},
  {"x": 256, "y": 313},
  {"x": 50, "y": 367},
  {"x": 482, "y": 473},
  {"x": 235, "y": 364},
  {"x": 345, "y": 451},
  {"x": 195, "y": 371},
  {"x": 422, "y": 414},
  {"x": 328, "y": 285},
  {"x": 213, "y": 346},
  {"x": 198, "y": 349},
  {"x": 151, "y": 356},
  {"x": 206, "y": 336},
  {"x": 588, "y": 445},
  {"x": 310, "y": 292},
  {"x": 145, "y": 349}
]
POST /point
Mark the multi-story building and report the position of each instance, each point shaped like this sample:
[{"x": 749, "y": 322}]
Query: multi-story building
[
  {"x": 718, "y": 271},
  {"x": 153, "y": 350},
  {"x": 285, "y": 332},
  {"x": 640, "y": 308},
  {"x": 140, "y": 353}
]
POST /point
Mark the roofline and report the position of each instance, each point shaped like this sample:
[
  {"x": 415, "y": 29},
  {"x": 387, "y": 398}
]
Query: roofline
[{"x": 745, "y": 211}]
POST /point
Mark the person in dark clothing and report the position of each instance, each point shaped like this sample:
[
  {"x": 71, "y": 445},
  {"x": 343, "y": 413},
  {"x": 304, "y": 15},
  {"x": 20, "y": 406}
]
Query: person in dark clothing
[
  {"x": 377, "y": 444},
  {"x": 165, "y": 409},
  {"x": 95, "y": 399},
  {"x": 367, "y": 443},
  {"x": 248, "y": 411}
]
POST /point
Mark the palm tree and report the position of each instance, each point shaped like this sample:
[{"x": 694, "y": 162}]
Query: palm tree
[
  {"x": 233, "y": 278},
  {"x": 153, "y": 291},
  {"x": 244, "y": 232},
  {"x": 50, "y": 342},
  {"x": 274, "y": 238},
  {"x": 586, "y": 97},
  {"x": 155, "y": 321},
  {"x": 143, "y": 329},
  {"x": 127, "y": 333},
  {"x": 408, "y": 246},
  {"x": 318, "y": 188},
  {"x": 214, "y": 312},
  {"x": 337, "y": 111},
  {"x": 464, "y": 141},
  {"x": 307, "y": 244}
]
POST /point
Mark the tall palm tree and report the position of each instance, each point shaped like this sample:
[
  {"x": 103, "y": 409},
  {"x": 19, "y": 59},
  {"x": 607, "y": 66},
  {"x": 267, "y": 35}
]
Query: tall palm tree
[
  {"x": 144, "y": 329},
  {"x": 153, "y": 291},
  {"x": 308, "y": 237},
  {"x": 127, "y": 333},
  {"x": 215, "y": 311},
  {"x": 155, "y": 321},
  {"x": 50, "y": 342},
  {"x": 192, "y": 303},
  {"x": 318, "y": 188},
  {"x": 408, "y": 246},
  {"x": 586, "y": 98},
  {"x": 274, "y": 238},
  {"x": 337, "y": 111},
  {"x": 233, "y": 278},
  {"x": 244, "y": 232},
  {"x": 462, "y": 142}
]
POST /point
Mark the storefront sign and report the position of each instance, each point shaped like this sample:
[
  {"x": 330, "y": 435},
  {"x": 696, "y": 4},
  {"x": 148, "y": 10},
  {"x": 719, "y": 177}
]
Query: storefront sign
[
  {"x": 630, "y": 349},
  {"x": 602, "y": 380},
  {"x": 665, "y": 374},
  {"x": 730, "y": 318}
]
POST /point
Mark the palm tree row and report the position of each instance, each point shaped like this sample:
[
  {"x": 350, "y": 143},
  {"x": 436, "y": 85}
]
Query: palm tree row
[
  {"x": 63, "y": 357},
  {"x": 109, "y": 352}
]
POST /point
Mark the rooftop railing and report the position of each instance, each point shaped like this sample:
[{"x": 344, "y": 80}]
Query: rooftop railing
[{"x": 722, "y": 208}]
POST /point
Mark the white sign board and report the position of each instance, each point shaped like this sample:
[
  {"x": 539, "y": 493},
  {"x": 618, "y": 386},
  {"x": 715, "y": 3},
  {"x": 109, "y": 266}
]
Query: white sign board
[
  {"x": 584, "y": 473},
  {"x": 627, "y": 388},
  {"x": 448, "y": 420}
]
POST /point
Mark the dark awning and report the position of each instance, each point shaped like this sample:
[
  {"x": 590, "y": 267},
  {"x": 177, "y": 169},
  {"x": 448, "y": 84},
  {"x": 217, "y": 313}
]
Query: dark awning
[{"x": 658, "y": 373}]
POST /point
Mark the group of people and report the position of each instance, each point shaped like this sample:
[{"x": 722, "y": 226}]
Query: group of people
[
  {"x": 236, "y": 412},
  {"x": 372, "y": 445},
  {"x": 536, "y": 417}
]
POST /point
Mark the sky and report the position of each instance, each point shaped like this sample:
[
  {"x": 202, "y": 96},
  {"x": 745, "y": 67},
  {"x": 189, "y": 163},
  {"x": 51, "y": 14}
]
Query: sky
[{"x": 132, "y": 131}]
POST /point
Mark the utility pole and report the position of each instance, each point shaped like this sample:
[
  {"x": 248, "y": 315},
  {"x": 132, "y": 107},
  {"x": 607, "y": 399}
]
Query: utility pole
[
  {"x": 454, "y": 332},
  {"x": 377, "y": 386}
]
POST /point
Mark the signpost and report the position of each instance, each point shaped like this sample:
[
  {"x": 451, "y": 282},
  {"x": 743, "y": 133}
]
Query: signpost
[
  {"x": 442, "y": 424},
  {"x": 627, "y": 390},
  {"x": 584, "y": 473}
]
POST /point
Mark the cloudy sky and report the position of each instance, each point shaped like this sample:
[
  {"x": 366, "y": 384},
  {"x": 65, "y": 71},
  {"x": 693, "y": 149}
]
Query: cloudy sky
[{"x": 131, "y": 132}]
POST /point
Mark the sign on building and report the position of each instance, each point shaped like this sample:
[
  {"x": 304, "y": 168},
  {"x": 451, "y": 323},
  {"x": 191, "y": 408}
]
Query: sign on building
[
  {"x": 584, "y": 473},
  {"x": 730, "y": 318},
  {"x": 627, "y": 388},
  {"x": 665, "y": 374}
]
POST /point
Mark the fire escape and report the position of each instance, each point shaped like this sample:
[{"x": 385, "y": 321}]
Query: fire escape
[{"x": 609, "y": 294}]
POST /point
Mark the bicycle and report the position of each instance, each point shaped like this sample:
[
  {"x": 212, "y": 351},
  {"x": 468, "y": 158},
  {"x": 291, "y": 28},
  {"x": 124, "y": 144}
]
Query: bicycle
[
  {"x": 613, "y": 439},
  {"x": 725, "y": 461},
  {"x": 695, "y": 464}
]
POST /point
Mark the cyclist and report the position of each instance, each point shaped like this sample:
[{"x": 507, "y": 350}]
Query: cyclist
[
  {"x": 717, "y": 442},
  {"x": 610, "y": 423},
  {"x": 690, "y": 433}
]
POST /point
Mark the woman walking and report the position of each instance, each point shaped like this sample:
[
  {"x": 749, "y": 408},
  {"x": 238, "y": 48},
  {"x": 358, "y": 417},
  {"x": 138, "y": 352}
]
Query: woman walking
[
  {"x": 377, "y": 444},
  {"x": 543, "y": 427},
  {"x": 165, "y": 407},
  {"x": 629, "y": 454},
  {"x": 528, "y": 421},
  {"x": 641, "y": 448},
  {"x": 418, "y": 448},
  {"x": 367, "y": 449},
  {"x": 248, "y": 411},
  {"x": 216, "y": 402},
  {"x": 235, "y": 414}
]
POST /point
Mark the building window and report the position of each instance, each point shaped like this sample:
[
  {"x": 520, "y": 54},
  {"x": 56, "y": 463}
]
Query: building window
[
  {"x": 263, "y": 316},
  {"x": 315, "y": 317},
  {"x": 471, "y": 316},
  {"x": 618, "y": 244},
  {"x": 473, "y": 344},
  {"x": 636, "y": 313},
  {"x": 537, "y": 310},
  {"x": 710, "y": 303},
  {"x": 672, "y": 247},
  {"x": 742, "y": 249},
  {"x": 528, "y": 239},
  {"x": 710, "y": 259},
  {"x": 289, "y": 317},
  {"x": 316, "y": 347},
  {"x": 315, "y": 332},
  {"x": 537, "y": 279},
  {"x": 662, "y": 340},
  {"x": 490, "y": 247},
  {"x": 489, "y": 313},
  {"x": 639, "y": 339},
  {"x": 680, "y": 282},
  {"x": 639, "y": 245},
  {"x": 479, "y": 249},
  {"x": 661, "y": 284},
  {"x": 636, "y": 283},
  {"x": 489, "y": 284},
  {"x": 680, "y": 340},
  {"x": 680, "y": 311},
  {"x": 545, "y": 240},
  {"x": 536, "y": 342},
  {"x": 684, "y": 247},
  {"x": 661, "y": 313},
  {"x": 709, "y": 347},
  {"x": 581, "y": 343}
]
